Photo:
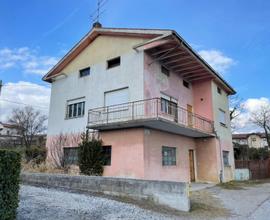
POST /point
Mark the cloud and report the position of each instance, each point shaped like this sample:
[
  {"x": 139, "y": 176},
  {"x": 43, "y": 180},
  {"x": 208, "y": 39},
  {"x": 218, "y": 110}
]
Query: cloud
[
  {"x": 26, "y": 59},
  {"x": 217, "y": 60},
  {"x": 13, "y": 94},
  {"x": 242, "y": 123}
]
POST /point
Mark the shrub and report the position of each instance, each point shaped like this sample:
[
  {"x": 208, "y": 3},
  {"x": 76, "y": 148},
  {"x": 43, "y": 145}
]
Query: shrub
[
  {"x": 10, "y": 164},
  {"x": 90, "y": 156},
  {"x": 36, "y": 154}
]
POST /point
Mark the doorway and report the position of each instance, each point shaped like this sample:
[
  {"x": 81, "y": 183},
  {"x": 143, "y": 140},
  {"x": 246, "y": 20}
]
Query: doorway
[
  {"x": 191, "y": 166},
  {"x": 190, "y": 115}
]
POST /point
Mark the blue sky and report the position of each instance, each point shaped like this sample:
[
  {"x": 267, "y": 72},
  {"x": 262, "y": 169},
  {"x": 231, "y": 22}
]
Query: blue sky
[{"x": 234, "y": 36}]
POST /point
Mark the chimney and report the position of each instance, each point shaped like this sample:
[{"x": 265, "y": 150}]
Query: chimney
[{"x": 97, "y": 25}]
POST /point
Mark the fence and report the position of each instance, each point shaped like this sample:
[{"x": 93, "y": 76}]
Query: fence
[{"x": 260, "y": 169}]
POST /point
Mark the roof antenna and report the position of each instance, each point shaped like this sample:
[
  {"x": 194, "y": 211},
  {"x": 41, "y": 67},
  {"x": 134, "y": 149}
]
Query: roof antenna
[{"x": 97, "y": 13}]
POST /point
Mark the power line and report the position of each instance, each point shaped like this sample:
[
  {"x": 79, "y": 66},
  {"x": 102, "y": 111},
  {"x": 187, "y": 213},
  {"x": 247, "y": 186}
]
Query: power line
[{"x": 21, "y": 103}]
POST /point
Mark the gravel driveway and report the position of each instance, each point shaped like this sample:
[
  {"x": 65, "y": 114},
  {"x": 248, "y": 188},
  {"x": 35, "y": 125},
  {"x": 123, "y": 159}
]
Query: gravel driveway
[{"x": 212, "y": 203}]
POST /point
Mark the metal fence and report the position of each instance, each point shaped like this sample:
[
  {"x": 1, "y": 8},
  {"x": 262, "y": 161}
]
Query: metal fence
[
  {"x": 259, "y": 169},
  {"x": 148, "y": 109}
]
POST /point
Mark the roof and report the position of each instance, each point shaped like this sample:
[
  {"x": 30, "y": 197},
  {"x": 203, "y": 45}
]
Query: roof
[
  {"x": 157, "y": 40},
  {"x": 6, "y": 125},
  {"x": 246, "y": 135}
]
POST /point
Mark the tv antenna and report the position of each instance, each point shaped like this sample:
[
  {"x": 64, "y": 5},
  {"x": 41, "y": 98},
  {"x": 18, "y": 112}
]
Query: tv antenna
[{"x": 95, "y": 15}]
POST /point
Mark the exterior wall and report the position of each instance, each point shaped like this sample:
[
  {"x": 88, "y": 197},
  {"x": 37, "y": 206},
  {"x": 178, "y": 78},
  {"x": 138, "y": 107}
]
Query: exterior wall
[
  {"x": 153, "y": 142},
  {"x": 127, "y": 153},
  {"x": 91, "y": 88},
  {"x": 156, "y": 82},
  {"x": 203, "y": 101},
  {"x": 224, "y": 134},
  {"x": 208, "y": 160},
  {"x": 256, "y": 141}
]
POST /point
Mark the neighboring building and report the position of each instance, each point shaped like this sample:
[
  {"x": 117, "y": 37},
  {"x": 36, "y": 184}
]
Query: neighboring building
[
  {"x": 160, "y": 109},
  {"x": 256, "y": 140},
  {"x": 9, "y": 135}
]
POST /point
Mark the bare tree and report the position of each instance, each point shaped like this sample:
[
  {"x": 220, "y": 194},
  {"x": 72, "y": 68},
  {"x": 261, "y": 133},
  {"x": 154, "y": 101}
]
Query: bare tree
[
  {"x": 57, "y": 144},
  {"x": 236, "y": 107},
  {"x": 30, "y": 122},
  {"x": 261, "y": 118}
]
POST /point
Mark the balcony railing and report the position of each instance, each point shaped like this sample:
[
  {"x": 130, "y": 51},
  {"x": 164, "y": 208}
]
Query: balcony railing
[{"x": 148, "y": 109}]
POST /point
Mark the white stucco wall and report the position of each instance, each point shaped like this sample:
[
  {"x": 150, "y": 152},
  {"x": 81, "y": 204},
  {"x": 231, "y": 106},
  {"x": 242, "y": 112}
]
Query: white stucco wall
[{"x": 128, "y": 74}]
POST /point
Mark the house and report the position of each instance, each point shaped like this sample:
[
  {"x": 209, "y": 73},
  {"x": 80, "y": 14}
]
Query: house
[
  {"x": 256, "y": 140},
  {"x": 9, "y": 135},
  {"x": 161, "y": 111}
]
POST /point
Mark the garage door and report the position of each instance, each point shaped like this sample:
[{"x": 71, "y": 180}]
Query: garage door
[{"x": 116, "y": 97}]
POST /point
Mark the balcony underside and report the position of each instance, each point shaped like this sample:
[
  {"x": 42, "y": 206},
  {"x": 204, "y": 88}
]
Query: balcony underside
[{"x": 154, "y": 123}]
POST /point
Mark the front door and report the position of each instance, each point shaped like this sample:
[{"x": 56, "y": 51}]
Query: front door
[
  {"x": 191, "y": 165},
  {"x": 190, "y": 115}
]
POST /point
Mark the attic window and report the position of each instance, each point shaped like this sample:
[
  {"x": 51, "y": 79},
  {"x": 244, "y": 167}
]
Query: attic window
[
  {"x": 85, "y": 72},
  {"x": 219, "y": 90},
  {"x": 113, "y": 62},
  {"x": 186, "y": 84},
  {"x": 165, "y": 70}
]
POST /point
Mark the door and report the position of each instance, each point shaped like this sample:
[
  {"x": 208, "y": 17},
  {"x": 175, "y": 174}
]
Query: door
[
  {"x": 190, "y": 115},
  {"x": 191, "y": 165}
]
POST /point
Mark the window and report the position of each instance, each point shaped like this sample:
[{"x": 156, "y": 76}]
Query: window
[
  {"x": 222, "y": 117},
  {"x": 75, "y": 110},
  {"x": 165, "y": 70},
  {"x": 115, "y": 97},
  {"x": 226, "y": 158},
  {"x": 219, "y": 90},
  {"x": 70, "y": 155},
  {"x": 107, "y": 152},
  {"x": 168, "y": 156},
  {"x": 169, "y": 105},
  {"x": 85, "y": 72},
  {"x": 113, "y": 62},
  {"x": 186, "y": 84}
]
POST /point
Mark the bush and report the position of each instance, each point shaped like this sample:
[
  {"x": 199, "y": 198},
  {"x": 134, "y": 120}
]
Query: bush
[
  {"x": 10, "y": 165},
  {"x": 90, "y": 156},
  {"x": 36, "y": 154}
]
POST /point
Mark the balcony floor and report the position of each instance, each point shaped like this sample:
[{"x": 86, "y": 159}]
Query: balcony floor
[{"x": 154, "y": 123}]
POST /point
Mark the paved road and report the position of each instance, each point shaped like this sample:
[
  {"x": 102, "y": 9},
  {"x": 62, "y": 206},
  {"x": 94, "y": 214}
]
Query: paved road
[{"x": 50, "y": 204}]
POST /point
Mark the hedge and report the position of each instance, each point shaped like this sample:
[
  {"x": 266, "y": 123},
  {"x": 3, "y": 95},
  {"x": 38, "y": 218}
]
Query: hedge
[{"x": 10, "y": 165}]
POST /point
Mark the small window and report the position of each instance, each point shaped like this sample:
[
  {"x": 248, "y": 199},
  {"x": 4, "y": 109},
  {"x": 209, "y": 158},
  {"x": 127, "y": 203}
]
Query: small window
[
  {"x": 113, "y": 62},
  {"x": 165, "y": 70},
  {"x": 168, "y": 156},
  {"x": 226, "y": 161},
  {"x": 85, "y": 72},
  {"x": 219, "y": 90},
  {"x": 70, "y": 156},
  {"x": 75, "y": 110},
  {"x": 222, "y": 117},
  {"x": 186, "y": 84},
  {"x": 107, "y": 152}
]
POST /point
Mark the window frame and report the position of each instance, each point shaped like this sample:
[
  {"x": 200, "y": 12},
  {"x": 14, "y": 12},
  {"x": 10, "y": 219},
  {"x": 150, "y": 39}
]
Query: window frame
[
  {"x": 75, "y": 158},
  {"x": 72, "y": 110},
  {"x": 165, "y": 70},
  {"x": 223, "y": 123},
  {"x": 186, "y": 84},
  {"x": 219, "y": 90},
  {"x": 226, "y": 162},
  {"x": 170, "y": 159},
  {"x": 106, "y": 151},
  {"x": 82, "y": 70},
  {"x": 110, "y": 66}
]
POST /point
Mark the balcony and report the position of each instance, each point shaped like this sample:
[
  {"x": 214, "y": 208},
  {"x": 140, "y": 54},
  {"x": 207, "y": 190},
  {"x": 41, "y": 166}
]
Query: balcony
[{"x": 152, "y": 113}]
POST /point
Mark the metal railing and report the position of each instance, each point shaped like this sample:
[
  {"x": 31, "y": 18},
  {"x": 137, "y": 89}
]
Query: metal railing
[{"x": 148, "y": 109}]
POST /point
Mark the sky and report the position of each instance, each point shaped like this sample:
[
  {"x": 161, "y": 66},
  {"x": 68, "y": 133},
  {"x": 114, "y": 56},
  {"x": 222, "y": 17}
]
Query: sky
[{"x": 233, "y": 36}]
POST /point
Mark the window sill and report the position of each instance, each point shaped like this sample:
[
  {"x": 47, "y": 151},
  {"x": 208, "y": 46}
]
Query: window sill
[
  {"x": 223, "y": 125},
  {"x": 227, "y": 166},
  {"x": 74, "y": 117}
]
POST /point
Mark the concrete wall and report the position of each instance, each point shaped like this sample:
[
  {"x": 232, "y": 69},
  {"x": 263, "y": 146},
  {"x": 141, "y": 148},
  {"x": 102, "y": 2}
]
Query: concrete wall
[
  {"x": 127, "y": 158},
  {"x": 91, "y": 88},
  {"x": 224, "y": 134},
  {"x": 171, "y": 194},
  {"x": 154, "y": 170}
]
